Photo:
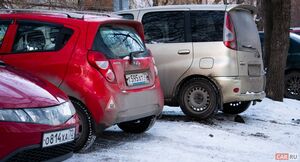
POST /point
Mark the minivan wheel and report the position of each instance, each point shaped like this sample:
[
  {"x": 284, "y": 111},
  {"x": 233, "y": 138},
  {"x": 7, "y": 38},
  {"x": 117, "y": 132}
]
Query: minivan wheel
[
  {"x": 138, "y": 126},
  {"x": 198, "y": 98},
  {"x": 236, "y": 107},
  {"x": 292, "y": 85},
  {"x": 87, "y": 133}
]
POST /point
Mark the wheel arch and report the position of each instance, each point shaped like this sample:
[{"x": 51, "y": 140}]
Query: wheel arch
[
  {"x": 81, "y": 103},
  {"x": 213, "y": 82}
]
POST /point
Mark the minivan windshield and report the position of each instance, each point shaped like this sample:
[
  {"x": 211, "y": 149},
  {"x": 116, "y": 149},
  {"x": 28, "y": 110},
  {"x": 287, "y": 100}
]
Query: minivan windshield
[{"x": 116, "y": 41}]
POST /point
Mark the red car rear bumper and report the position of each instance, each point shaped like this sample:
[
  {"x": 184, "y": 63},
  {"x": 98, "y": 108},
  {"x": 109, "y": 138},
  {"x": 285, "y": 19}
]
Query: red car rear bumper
[{"x": 132, "y": 104}]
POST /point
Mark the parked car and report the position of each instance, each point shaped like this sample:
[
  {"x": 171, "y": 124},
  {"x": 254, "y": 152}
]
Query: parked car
[
  {"x": 292, "y": 69},
  {"x": 295, "y": 30},
  {"x": 99, "y": 61},
  {"x": 37, "y": 120},
  {"x": 208, "y": 56}
]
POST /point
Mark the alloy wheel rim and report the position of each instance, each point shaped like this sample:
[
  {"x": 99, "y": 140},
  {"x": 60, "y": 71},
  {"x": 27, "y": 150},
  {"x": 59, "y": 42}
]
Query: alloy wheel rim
[{"x": 293, "y": 85}]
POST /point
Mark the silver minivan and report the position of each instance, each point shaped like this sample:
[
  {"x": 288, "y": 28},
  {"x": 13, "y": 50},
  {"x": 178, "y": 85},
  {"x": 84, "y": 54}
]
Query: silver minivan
[{"x": 208, "y": 57}]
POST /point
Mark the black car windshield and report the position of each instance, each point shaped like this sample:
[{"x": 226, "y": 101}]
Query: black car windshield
[{"x": 119, "y": 41}]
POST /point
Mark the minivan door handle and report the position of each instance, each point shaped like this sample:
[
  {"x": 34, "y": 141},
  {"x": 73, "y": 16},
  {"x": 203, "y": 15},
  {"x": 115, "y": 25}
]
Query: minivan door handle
[{"x": 184, "y": 52}]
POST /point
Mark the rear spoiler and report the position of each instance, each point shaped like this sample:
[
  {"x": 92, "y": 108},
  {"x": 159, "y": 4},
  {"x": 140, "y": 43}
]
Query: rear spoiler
[{"x": 250, "y": 8}]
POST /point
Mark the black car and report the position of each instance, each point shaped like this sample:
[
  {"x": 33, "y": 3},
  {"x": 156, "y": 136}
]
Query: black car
[
  {"x": 295, "y": 30},
  {"x": 292, "y": 70}
]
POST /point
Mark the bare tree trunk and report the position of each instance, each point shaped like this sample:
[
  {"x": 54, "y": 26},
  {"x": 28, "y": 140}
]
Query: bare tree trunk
[
  {"x": 6, "y": 4},
  {"x": 260, "y": 14},
  {"x": 80, "y": 4},
  {"x": 155, "y": 2},
  {"x": 252, "y": 2},
  {"x": 268, "y": 22},
  {"x": 277, "y": 23}
]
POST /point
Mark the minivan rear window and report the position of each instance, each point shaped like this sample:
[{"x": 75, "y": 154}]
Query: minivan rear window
[
  {"x": 207, "y": 26},
  {"x": 246, "y": 30},
  {"x": 116, "y": 41}
]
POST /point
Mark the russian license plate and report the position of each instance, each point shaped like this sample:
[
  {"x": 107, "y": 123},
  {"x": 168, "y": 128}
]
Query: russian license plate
[
  {"x": 137, "y": 79},
  {"x": 58, "y": 137}
]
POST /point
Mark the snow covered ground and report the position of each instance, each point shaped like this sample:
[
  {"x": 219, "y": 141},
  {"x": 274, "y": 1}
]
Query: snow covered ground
[{"x": 270, "y": 127}]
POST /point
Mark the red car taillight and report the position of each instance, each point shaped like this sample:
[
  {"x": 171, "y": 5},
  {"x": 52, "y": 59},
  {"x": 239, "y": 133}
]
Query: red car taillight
[
  {"x": 229, "y": 33},
  {"x": 154, "y": 64},
  {"x": 100, "y": 62}
]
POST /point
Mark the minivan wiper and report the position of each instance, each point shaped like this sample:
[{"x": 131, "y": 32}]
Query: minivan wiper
[{"x": 133, "y": 54}]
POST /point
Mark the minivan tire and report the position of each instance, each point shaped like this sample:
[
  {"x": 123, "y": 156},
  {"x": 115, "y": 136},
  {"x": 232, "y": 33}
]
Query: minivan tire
[
  {"x": 198, "y": 98},
  {"x": 236, "y": 107},
  {"x": 138, "y": 126},
  {"x": 292, "y": 85},
  {"x": 87, "y": 134}
]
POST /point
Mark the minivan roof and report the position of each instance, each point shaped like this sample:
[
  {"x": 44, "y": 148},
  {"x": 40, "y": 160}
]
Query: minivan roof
[{"x": 218, "y": 7}]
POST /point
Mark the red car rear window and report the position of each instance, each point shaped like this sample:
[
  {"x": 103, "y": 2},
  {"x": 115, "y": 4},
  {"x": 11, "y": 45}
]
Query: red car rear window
[{"x": 118, "y": 42}]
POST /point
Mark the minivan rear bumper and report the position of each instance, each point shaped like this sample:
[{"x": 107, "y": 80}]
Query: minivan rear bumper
[{"x": 249, "y": 88}]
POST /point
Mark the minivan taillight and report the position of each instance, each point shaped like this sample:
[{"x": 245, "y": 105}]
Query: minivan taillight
[
  {"x": 229, "y": 33},
  {"x": 100, "y": 62}
]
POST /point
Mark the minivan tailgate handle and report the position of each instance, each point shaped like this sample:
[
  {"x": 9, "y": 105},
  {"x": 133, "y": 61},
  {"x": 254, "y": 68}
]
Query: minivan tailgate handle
[
  {"x": 248, "y": 46},
  {"x": 184, "y": 52},
  {"x": 252, "y": 48}
]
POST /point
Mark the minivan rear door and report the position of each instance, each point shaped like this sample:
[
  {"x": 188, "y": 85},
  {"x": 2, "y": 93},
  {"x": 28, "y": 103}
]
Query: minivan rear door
[{"x": 249, "y": 51}]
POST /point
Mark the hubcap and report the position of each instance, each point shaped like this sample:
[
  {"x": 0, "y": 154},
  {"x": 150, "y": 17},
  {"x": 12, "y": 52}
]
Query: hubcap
[
  {"x": 293, "y": 85},
  {"x": 198, "y": 99}
]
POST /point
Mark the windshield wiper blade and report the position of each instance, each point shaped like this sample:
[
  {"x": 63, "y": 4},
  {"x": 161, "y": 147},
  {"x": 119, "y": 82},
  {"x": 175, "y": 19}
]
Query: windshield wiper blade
[{"x": 133, "y": 54}]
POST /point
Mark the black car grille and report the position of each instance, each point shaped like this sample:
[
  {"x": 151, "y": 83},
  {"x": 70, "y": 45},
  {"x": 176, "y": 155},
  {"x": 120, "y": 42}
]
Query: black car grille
[{"x": 42, "y": 154}]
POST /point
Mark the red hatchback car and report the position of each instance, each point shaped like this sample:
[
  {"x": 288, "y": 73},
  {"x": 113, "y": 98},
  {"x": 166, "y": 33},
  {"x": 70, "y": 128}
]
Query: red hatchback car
[
  {"x": 37, "y": 120},
  {"x": 99, "y": 61}
]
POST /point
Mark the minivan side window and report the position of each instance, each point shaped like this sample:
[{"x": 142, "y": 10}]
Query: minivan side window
[
  {"x": 39, "y": 37},
  {"x": 164, "y": 27},
  {"x": 127, "y": 16},
  {"x": 3, "y": 28},
  {"x": 207, "y": 26}
]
